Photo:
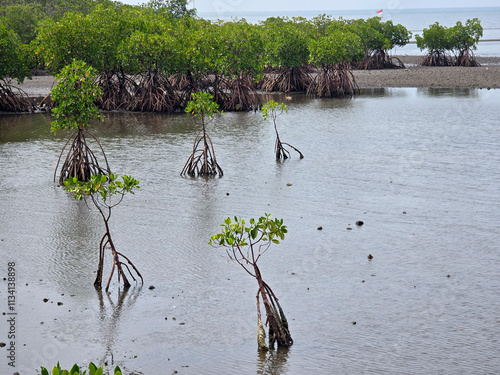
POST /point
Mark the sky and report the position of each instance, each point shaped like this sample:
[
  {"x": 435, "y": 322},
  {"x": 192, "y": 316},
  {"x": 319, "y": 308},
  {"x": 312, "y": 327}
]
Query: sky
[{"x": 312, "y": 5}]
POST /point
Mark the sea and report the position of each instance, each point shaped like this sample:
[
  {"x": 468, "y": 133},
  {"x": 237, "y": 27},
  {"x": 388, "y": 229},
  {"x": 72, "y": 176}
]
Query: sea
[{"x": 414, "y": 20}]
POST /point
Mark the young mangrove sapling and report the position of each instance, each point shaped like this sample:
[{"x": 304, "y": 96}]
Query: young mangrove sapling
[
  {"x": 75, "y": 95},
  {"x": 245, "y": 245},
  {"x": 101, "y": 189},
  {"x": 202, "y": 161},
  {"x": 272, "y": 110}
]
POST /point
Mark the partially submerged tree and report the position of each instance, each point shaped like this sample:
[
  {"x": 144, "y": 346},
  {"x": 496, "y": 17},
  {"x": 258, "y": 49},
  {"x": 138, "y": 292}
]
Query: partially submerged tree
[
  {"x": 151, "y": 56},
  {"x": 436, "y": 39},
  {"x": 286, "y": 55},
  {"x": 245, "y": 245},
  {"x": 239, "y": 62},
  {"x": 202, "y": 161},
  {"x": 101, "y": 189},
  {"x": 332, "y": 55},
  {"x": 272, "y": 110},
  {"x": 12, "y": 67},
  {"x": 74, "y": 97}
]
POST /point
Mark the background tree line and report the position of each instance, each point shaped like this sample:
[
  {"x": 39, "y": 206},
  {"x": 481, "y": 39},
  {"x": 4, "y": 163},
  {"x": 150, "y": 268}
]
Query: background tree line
[{"x": 153, "y": 57}]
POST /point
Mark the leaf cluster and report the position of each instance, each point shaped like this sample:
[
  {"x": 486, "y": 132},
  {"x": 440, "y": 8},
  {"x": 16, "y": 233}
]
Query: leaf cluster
[
  {"x": 74, "y": 95},
  {"x": 175, "y": 8},
  {"x": 12, "y": 55},
  {"x": 105, "y": 187},
  {"x": 285, "y": 43},
  {"x": 438, "y": 38},
  {"x": 273, "y": 109},
  {"x": 202, "y": 105},
  {"x": 336, "y": 48},
  {"x": 75, "y": 370},
  {"x": 236, "y": 234}
]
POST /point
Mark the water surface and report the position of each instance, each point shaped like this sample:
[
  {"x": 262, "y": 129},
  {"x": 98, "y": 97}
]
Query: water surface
[{"x": 418, "y": 166}]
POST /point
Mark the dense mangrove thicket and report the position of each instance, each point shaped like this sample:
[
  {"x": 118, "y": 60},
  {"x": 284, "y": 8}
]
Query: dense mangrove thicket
[{"x": 153, "y": 57}]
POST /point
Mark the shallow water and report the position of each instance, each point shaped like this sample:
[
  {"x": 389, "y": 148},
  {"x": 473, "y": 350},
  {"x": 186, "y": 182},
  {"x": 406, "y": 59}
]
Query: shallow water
[{"x": 418, "y": 166}]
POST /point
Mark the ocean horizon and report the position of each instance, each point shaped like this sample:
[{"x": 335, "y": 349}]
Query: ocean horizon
[{"x": 415, "y": 20}]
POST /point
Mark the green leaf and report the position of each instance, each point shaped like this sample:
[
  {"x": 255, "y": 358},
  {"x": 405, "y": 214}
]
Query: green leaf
[
  {"x": 92, "y": 368},
  {"x": 75, "y": 370},
  {"x": 44, "y": 371}
]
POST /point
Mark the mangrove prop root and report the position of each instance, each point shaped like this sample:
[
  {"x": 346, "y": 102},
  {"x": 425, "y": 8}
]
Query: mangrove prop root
[
  {"x": 287, "y": 80},
  {"x": 436, "y": 58},
  {"x": 282, "y": 153},
  {"x": 202, "y": 161},
  {"x": 466, "y": 58},
  {"x": 80, "y": 161},
  {"x": 13, "y": 99},
  {"x": 378, "y": 59},
  {"x": 261, "y": 336},
  {"x": 243, "y": 95},
  {"x": 187, "y": 84},
  {"x": 333, "y": 81},
  {"x": 118, "y": 264},
  {"x": 117, "y": 89},
  {"x": 279, "y": 149},
  {"x": 154, "y": 93},
  {"x": 277, "y": 323}
]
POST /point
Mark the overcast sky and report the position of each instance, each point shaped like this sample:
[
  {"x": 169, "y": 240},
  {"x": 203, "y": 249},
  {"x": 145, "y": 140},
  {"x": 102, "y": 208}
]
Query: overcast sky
[{"x": 292, "y": 5}]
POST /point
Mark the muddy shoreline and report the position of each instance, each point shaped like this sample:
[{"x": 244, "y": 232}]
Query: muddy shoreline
[{"x": 485, "y": 76}]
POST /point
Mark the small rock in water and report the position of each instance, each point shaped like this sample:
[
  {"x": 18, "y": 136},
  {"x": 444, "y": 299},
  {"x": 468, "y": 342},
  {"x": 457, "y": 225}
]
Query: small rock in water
[
  {"x": 359, "y": 223},
  {"x": 59, "y": 303},
  {"x": 151, "y": 287},
  {"x": 289, "y": 184},
  {"x": 370, "y": 257},
  {"x": 348, "y": 228},
  {"x": 353, "y": 323},
  {"x": 320, "y": 228},
  {"x": 45, "y": 300}
]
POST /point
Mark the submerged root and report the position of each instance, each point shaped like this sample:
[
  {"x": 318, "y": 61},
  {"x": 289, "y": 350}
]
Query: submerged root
[
  {"x": 282, "y": 153},
  {"x": 333, "y": 81},
  {"x": 117, "y": 264},
  {"x": 80, "y": 161},
  {"x": 202, "y": 161},
  {"x": 242, "y": 95},
  {"x": 287, "y": 80},
  {"x": 278, "y": 324},
  {"x": 116, "y": 90},
  {"x": 261, "y": 336},
  {"x": 186, "y": 85},
  {"x": 154, "y": 94},
  {"x": 13, "y": 99}
]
